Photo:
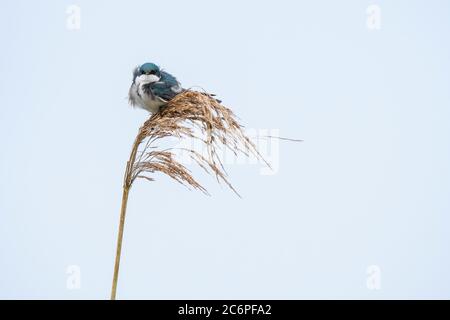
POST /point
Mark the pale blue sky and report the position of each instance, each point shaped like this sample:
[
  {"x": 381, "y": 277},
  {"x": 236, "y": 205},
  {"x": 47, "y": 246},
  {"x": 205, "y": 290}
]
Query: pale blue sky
[{"x": 369, "y": 185}]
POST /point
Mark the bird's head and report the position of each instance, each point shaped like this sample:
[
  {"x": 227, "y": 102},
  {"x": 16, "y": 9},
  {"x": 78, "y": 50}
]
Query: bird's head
[{"x": 147, "y": 73}]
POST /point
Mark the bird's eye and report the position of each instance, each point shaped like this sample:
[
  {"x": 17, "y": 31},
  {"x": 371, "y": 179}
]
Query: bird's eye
[{"x": 153, "y": 72}]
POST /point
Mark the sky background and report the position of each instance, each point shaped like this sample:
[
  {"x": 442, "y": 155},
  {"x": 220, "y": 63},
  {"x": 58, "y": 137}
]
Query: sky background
[{"x": 360, "y": 209}]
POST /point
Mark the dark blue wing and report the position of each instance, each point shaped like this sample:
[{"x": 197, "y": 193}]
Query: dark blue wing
[{"x": 167, "y": 87}]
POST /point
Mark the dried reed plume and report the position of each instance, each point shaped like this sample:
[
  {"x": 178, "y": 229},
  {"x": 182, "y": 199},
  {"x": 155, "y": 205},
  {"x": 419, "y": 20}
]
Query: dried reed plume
[{"x": 217, "y": 128}]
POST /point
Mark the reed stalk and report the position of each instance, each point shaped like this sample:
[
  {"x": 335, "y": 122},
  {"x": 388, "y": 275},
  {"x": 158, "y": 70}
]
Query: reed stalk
[
  {"x": 123, "y": 210},
  {"x": 187, "y": 111}
]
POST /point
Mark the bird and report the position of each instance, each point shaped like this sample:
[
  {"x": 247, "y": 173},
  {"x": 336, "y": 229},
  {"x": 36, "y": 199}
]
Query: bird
[{"x": 152, "y": 87}]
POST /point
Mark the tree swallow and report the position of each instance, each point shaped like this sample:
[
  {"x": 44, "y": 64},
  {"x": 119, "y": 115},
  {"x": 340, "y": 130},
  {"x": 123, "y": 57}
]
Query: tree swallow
[{"x": 152, "y": 87}]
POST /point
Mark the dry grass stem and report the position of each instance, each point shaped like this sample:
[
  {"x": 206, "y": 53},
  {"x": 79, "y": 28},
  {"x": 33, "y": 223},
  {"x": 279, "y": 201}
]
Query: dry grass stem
[{"x": 190, "y": 114}]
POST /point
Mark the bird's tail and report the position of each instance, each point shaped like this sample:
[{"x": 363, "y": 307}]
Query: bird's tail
[{"x": 212, "y": 95}]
